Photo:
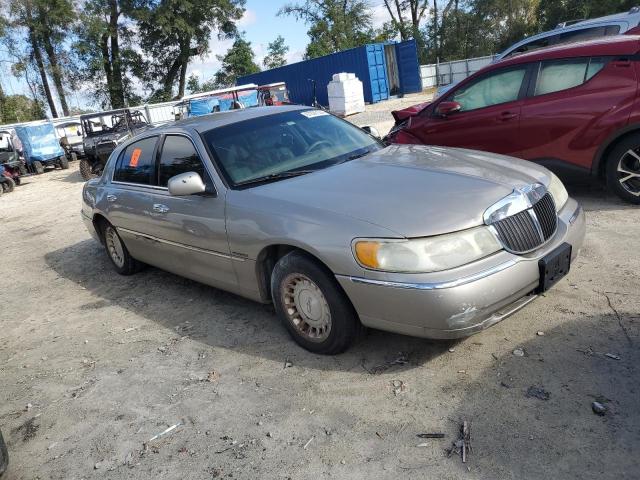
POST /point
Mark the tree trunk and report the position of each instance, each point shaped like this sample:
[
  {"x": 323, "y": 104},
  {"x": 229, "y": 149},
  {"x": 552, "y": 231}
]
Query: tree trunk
[
  {"x": 117, "y": 89},
  {"x": 106, "y": 63},
  {"x": 56, "y": 73},
  {"x": 183, "y": 77},
  {"x": 167, "y": 86},
  {"x": 37, "y": 54}
]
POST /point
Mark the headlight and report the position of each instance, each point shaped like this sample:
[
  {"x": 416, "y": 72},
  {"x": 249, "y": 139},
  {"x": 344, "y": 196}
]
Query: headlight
[
  {"x": 431, "y": 254},
  {"x": 558, "y": 192}
]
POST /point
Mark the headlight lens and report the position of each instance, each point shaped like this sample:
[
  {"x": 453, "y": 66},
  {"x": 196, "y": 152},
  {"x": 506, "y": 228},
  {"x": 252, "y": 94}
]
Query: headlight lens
[
  {"x": 432, "y": 254},
  {"x": 558, "y": 192}
]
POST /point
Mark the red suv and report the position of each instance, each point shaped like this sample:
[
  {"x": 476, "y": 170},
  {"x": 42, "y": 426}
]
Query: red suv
[{"x": 574, "y": 108}]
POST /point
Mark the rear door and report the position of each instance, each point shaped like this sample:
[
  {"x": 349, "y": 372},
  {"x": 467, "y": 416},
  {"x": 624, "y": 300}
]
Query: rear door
[
  {"x": 489, "y": 118},
  {"x": 408, "y": 67},
  {"x": 573, "y": 106},
  {"x": 377, "y": 72}
]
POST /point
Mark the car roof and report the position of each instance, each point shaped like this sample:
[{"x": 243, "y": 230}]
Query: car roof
[
  {"x": 605, "y": 46},
  {"x": 102, "y": 114},
  {"x": 208, "y": 122}
]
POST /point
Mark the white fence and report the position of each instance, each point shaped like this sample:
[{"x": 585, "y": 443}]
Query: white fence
[{"x": 438, "y": 74}]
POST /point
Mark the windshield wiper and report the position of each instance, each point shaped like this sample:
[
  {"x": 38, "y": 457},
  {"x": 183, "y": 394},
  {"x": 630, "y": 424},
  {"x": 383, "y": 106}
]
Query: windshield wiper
[
  {"x": 353, "y": 157},
  {"x": 274, "y": 176}
]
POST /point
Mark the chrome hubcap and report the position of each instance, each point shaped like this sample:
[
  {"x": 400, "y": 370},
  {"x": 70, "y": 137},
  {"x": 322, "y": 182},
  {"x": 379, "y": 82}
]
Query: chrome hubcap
[
  {"x": 114, "y": 247},
  {"x": 629, "y": 172},
  {"x": 306, "y": 307}
]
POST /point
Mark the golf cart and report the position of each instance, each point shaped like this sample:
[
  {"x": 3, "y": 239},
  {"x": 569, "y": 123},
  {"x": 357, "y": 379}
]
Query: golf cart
[
  {"x": 273, "y": 94},
  {"x": 13, "y": 165},
  {"x": 40, "y": 147},
  {"x": 70, "y": 135},
  {"x": 213, "y": 101},
  {"x": 103, "y": 132}
]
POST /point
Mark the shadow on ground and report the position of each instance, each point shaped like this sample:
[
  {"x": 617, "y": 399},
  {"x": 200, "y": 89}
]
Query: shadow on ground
[
  {"x": 221, "y": 319},
  {"x": 559, "y": 437}
]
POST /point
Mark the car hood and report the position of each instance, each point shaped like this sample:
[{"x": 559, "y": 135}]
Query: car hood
[
  {"x": 411, "y": 111},
  {"x": 412, "y": 190}
]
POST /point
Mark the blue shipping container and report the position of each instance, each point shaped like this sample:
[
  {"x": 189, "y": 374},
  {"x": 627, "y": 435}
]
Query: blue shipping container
[{"x": 370, "y": 63}]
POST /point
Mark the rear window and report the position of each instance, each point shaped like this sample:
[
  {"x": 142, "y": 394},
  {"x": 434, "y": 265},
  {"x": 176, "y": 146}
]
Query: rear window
[
  {"x": 557, "y": 75},
  {"x": 137, "y": 163}
]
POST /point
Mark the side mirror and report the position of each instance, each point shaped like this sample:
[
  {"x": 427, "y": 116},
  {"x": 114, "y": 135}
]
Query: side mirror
[
  {"x": 447, "y": 108},
  {"x": 371, "y": 131},
  {"x": 188, "y": 183}
]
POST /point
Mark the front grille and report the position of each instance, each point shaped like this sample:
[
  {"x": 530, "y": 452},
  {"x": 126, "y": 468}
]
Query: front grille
[{"x": 529, "y": 229}]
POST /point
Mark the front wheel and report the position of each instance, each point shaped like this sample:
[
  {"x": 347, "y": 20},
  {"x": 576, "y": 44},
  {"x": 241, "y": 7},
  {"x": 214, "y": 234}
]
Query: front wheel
[
  {"x": 623, "y": 170},
  {"x": 122, "y": 261},
  {"x": 38, "y": 167},
  {"x": 9, "y": 185},
  {"x": 311, "y": 305},
  {"x": 85, "y": 169}
]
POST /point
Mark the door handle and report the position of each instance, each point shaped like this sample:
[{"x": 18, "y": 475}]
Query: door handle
[
  {"x": 505, "y": 116},
  {"x": 111, "y": 198},
  {"x": 158, "y": 207}
]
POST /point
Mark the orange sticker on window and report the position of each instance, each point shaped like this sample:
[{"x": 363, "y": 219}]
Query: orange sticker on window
[{"x": 135, "y": 155}]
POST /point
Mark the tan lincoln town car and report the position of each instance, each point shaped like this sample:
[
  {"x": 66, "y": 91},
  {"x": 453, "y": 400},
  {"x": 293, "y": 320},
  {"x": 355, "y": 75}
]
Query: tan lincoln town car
[{"x": 297, "y": 207}]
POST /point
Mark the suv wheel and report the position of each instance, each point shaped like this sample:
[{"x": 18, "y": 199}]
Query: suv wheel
[
  {"x": 9, "y": 185},
  {"x": 85, "y": 169},
  {"x": 122, "y": 261},
  {"x": 623, "y": 170},
  {"x": 311, "y": 305}
]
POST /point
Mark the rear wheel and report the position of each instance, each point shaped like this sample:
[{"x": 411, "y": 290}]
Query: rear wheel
[
  {"x": 63, "y": 162},
  {"x": 85, "y": 169},
  {"x": 311, "y": 305},
  {"x": 623, "y": 170},
  {"x": 122, "y": 261},
  {"x": 38, "y": 167}
]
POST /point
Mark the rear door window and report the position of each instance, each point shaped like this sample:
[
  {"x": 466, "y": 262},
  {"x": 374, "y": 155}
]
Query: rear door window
[
  {"x": 534, "y": 45},
  {"x": 589, "y": 33},
  {"x": 137, "y": 163},
  {"x": 179, "y": 156},
  {"x": 557, "y": 75},
  {"x": 501, "y": 86}
]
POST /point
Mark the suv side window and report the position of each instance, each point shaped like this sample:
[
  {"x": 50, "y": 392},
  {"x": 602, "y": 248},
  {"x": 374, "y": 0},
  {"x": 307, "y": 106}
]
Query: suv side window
[
  {"x": 557, "y": 75},
  {"x": 498, "y": 87},
  {"x": 179, "y": 156},
  {"x": 589, "y": 34},
  {"x": 137, "y": 163},
  {"x": 534, "y": 45}
]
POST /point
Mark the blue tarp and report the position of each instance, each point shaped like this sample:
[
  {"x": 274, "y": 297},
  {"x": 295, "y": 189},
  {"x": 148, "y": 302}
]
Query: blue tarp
[
  {"x": 206, "y": 105},
  {"x": 39, "y": 142}
]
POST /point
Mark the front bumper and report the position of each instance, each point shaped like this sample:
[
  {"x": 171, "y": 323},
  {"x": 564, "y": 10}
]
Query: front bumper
[{"x": 470, "y": 299}]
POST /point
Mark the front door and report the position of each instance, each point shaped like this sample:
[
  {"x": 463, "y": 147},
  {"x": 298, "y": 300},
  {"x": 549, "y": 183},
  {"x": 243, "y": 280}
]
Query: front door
[
  {"x": 189, "y": 230},
  {"x": 489, "y": 117}
]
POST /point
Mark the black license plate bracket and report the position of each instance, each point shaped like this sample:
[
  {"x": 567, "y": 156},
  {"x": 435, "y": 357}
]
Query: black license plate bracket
[{"x": 554, "y": 266}]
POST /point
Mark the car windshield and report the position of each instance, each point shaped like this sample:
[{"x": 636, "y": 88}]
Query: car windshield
[{"x": 277, "y": 146}]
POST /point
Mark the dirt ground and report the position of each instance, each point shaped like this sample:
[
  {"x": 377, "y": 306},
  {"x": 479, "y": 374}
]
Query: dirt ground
[{"x": 94, "y": 365}]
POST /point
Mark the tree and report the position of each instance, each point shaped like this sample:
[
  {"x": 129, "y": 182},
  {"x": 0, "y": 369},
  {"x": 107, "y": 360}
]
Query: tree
[
  {"x": 276, "y": 54},
  {"x": 106, "y": 56},
  {"x": 20, "y": 108},
  {"x": 175, "y": 31},
  {"x": 409, "y": 27},
  {"x": 238, "y": 61},
  {"x": 335, "y": 25}
]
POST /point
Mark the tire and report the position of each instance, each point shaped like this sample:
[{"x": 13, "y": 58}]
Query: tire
[
  {"x": 38, "y": 167},
  {"x": 117, "y": 252},
  {"x": 1, "y": 189},
  {"x": 64, "y": 163},
  {"x": 312, "y": 306},
  {"x": 73, "y": 156},
  {"x": 623, "y": 169},
  {"x": 9, "y": 185},
  {"x": 4, "y": 455},
  {"x": 85, "y": 169}
]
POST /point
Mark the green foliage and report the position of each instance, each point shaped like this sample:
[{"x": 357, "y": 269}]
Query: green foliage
[
  {"x": 334, "y": 25},
  {"x": 238, "y": 61},
  {"x": 20, "y": 108},
  {"x": 276, "y": 54}
]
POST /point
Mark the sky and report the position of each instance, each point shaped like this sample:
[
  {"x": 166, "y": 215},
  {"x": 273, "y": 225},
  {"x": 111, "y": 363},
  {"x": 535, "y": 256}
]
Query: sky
[{"x": 260, "y": 24}]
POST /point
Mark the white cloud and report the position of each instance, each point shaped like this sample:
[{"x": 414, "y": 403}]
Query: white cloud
[{"x": 248, "y": 18}]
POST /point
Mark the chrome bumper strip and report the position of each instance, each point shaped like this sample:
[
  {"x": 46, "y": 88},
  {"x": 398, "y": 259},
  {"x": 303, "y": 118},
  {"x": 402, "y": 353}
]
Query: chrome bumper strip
[{"x": 435, "y": 285}]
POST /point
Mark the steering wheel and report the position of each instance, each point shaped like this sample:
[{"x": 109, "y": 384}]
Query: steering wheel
[{"x": 315, "y": 145}]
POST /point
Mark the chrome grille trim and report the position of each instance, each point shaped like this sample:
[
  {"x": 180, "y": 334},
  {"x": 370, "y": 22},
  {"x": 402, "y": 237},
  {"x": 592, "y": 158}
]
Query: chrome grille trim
[{"x": 529, "y": 229}]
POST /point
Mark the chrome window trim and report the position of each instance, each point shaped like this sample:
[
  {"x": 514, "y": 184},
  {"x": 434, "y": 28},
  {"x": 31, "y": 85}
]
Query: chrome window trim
[
  {"x": 433, "y": 285},
  {"x": 182, "y": 245},
  {"x": 139, "y": 185}
]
